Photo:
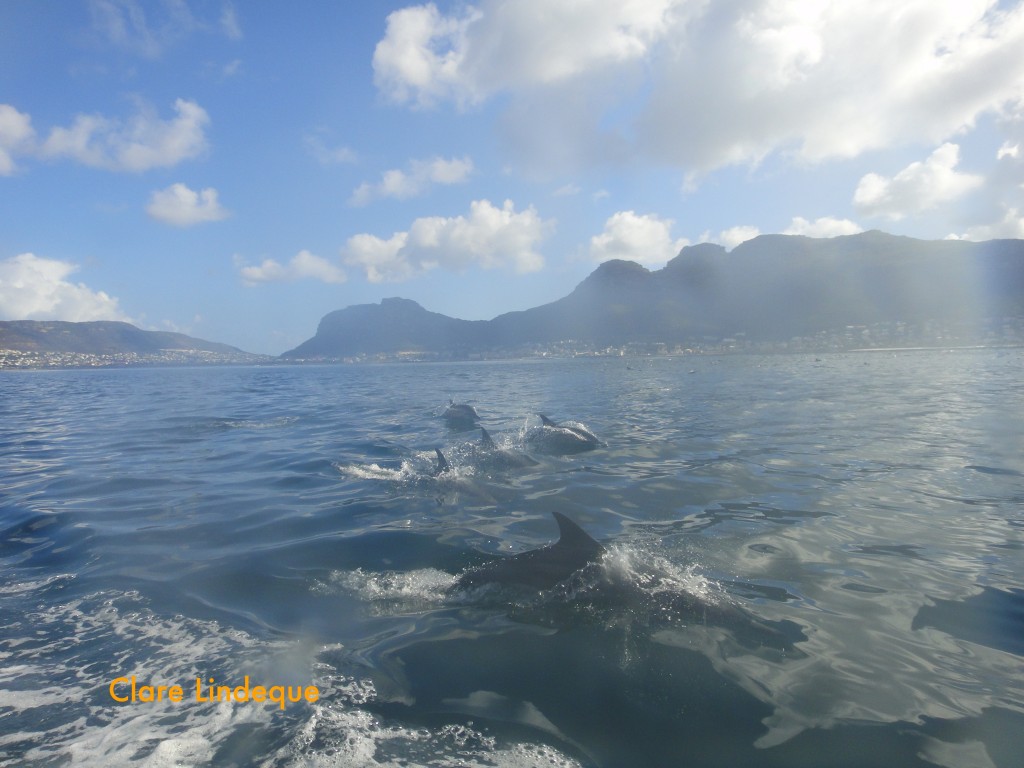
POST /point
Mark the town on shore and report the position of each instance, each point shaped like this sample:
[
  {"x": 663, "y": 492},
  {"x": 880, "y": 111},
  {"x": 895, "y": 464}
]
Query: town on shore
[{"x": 997, "y": 332}]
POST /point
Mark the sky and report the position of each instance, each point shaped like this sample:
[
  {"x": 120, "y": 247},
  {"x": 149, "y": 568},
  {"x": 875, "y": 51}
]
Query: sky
[{"x": 235, "y": 171}]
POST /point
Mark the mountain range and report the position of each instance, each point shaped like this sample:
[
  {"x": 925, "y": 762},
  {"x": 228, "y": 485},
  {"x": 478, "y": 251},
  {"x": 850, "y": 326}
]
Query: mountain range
[
  {"x": 101, "y": 337},
  {"x": 770, "y": 288}
]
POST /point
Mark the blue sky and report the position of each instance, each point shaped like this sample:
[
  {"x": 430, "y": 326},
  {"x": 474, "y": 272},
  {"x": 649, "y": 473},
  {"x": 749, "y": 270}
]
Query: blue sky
[{"x": 237, "y": 170}]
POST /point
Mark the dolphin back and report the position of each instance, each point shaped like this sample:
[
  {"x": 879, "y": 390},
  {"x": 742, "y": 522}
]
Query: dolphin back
[
  {"x": 541, "y": 568},
  {"x": 571, "y": 536}
]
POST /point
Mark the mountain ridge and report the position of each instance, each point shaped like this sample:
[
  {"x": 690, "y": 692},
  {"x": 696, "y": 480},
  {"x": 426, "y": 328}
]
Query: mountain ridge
[
  {"x": 766, "y": 290},
  {"x": 770, "y": 288},
  {"x": 97, "y": 337}
]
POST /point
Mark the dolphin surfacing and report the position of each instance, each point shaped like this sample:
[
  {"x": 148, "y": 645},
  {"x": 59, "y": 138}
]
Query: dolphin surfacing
[
  {"x": 541, "y": 568},
  {"x": 490, "y": 456},
  {"x": 460, "y": 416},
  {"x": 564, "y": 438}
]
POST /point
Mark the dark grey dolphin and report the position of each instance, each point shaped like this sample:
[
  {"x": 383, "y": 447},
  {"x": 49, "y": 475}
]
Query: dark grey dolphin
[
  {"x": 460, "y": 415},
  {"x": 541, "y": 568},
  {"x": 619, "y": 600},
  {"x": 562, "y": 438}
]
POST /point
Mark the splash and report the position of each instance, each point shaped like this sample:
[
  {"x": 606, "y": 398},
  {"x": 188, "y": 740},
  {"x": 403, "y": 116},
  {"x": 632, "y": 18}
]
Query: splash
[{"x": 427, "y": 586}]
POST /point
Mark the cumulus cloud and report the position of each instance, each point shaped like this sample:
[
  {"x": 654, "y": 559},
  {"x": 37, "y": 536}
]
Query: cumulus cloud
[
  {"x": 1010, "y": 226},
  {"x": 426, "y": 56},
  {"x": 303, "y": 265},
  {"x": 702, "y": 85},
  {"x": 826, "y": 226},
  {"x": 36, "y": 288},
  {"x": 733, "y": 236},
  {"x": 142, "y": 142},
  {"x": 16, "y": 137},
  {"x": 422, "y": 173},
  {"x": 919, "y": 187},
  {"x": 180, "y": 206},
  {"x": 489, "y": 237},
  {"x": 646, "y": 239},
  {"x": 419, "y": 61}
]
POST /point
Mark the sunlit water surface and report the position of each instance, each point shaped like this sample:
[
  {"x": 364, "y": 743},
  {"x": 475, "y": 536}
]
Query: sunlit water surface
[{"x": 810, "y": 562}]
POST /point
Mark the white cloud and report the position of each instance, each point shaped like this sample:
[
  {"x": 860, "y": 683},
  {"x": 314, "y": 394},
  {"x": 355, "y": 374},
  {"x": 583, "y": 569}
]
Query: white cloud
[
  {"x": 703, "y": 85},
  {"x": 567, "y": 190},
  {"x": 229, "y": 22},
  {"x": 231, "y": 69},
  {"x": 489, "y": 237},
  {"x": 1010, "y": 226},
  {"x": 426, "y": 56},
  {"x": 402, "y": 185},
  {"x": 182, "y": 207},
  {"x": 35, "y": 288},
  {"x": 733, "y": 236},
  {"x": 1008, "y": 150},
  {"x": 830, "y": 80},
  {"x": 645, "y": 239},
  {"x": 919, "y": 187},
  {"x": 124, "y": 23},
  {"x": 419, "y": 59},
  {"x": 16, "y": 137},
  {"x": 143, "y": 142},
  {"x": 328, "y": 155},
  {"x": 826, "y": 226},
  {"x": 149, "y": 29},
  {"x": 302, "y": 265}
]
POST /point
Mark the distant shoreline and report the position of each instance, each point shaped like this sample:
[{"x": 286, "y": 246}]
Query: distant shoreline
[{"x": 14, "y": 360}]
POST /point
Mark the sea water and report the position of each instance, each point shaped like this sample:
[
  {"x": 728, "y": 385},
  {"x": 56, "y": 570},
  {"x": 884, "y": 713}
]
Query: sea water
[{"x": 857, "y": 518}]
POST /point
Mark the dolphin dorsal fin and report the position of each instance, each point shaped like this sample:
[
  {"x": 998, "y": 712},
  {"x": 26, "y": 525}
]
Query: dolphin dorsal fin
[
  {"x": 546, "y": 421},
  {"x": 572, "y": 536},
  {"x": 442, "y": 462},
  {"x": 485, "y": 438}
]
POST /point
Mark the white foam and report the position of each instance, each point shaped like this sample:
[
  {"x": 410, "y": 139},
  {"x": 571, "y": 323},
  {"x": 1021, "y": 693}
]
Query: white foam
[
  {"x": 19, "y": 587},
  {"x": 388, "y": 592},
  {"x": 118, "y": 635},
  {"x": 343, "y": 738},
  {"x": 375, "y": 472},
  {"x": 655, "y": 574}
]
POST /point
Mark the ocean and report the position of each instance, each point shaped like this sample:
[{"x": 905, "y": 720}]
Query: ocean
[{"x": 808, "y": 561}]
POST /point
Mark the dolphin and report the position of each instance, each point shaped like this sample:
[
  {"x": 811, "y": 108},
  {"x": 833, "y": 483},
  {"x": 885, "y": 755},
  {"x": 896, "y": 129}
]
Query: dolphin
[
  {"x": 562, "y": 438},
  {"x": 460, "y": 415},
  {"x": 631, "y": 600},
  {"x": 491, "y": 456},
  {"x": 540, "y": 568},
  {"x": 451, "y": 482},
  {"x": 442, "y": 463}
]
